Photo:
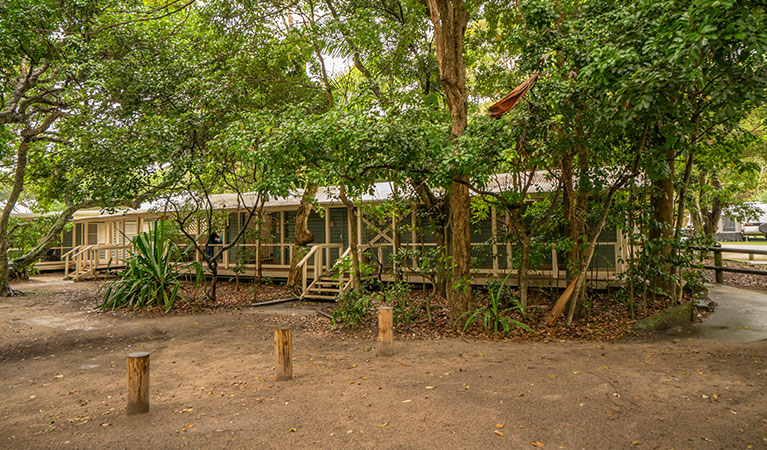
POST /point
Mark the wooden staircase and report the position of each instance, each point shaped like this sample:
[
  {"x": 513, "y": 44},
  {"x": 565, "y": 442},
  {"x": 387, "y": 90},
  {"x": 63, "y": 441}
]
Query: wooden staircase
[
  {"x": 90, "y": 259},
  {"x": 81, "y": 273},
  {"x": 326, "y": 287},
  {"x": 84, "y": 267},
  {"x": 329, "y": 283}
]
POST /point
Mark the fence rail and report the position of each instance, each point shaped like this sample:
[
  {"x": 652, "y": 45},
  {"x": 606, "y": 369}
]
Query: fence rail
[{"x": 719, "y": 267}]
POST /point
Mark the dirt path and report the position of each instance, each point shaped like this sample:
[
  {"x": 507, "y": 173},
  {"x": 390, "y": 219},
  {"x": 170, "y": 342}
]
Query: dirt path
[{"x": 62, "y": 374}]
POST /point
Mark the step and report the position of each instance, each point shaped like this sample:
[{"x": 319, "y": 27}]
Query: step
[
  {"x": 318, "y": 290},
  {"x": 327, "y": 279},
  {"x": 318, "y": 297},
  {"x": 326, "y": 283}
]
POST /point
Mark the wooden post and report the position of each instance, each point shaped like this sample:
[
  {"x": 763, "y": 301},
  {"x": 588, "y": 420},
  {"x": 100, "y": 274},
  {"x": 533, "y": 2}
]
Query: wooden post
[
  {"x": 283, "y": 353},
  {"x": 719, "y": 275},
  {"x": 138, "y": 383},
  {"x": 283, "y": 253},
  {"x": 494, "y": 227},
  {"x": 385, "y": 331}
]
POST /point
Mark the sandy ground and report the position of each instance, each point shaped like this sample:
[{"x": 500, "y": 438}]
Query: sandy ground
[{"x": 62, "y": 374}]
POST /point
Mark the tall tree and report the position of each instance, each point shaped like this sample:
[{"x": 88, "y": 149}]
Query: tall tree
[{"x": 450, "y": 19}]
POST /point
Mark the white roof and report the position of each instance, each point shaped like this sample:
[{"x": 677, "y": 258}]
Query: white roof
[
  {"x": 542, "y": 181},
  {"x": 18, "y": 209}
]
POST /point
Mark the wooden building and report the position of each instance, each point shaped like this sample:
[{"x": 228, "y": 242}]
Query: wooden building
[{"x": 99, "y": 241}]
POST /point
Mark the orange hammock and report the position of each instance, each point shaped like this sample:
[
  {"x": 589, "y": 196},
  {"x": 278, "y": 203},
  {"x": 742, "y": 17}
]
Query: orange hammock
[{"x": 508, "y": 103}]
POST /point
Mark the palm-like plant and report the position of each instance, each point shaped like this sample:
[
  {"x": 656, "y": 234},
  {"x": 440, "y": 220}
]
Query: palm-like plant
[
  {"x": 493, "y": 315},
  {"x": 152, "y": 274}
]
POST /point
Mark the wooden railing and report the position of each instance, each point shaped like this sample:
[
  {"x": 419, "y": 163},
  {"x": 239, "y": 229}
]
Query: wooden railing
[
  {"x": 66, "y": 257},
  {"x": 320, "y": 258},
  {"x": 227, "y": 260},
  {"x": 343, "y": 287},
  {"x": 719, "y": 267},
  {"x": 88, "y": 258},
  {"x": 500, "y": 257}
]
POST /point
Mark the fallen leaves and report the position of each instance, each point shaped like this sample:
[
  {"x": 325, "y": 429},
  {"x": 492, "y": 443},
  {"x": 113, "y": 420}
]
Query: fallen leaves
[{"x": 537, "y": 444}]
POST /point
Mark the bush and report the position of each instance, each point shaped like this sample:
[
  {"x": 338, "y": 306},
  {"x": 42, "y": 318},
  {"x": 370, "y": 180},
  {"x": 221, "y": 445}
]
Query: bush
[
  {"x": 352, "y": 307},
  {"x": 493, "y": 316},
  {"x": 152, "y": 274},
  {"x": 404, "y": 309}
]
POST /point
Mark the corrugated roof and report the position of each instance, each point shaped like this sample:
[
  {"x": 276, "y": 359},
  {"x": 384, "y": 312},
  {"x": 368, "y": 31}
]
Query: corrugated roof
[{"x": 327, "y": 196}]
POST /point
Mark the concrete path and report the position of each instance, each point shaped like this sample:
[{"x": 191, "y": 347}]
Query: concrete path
[
  {"x": 759, "y": 246},
  {"x": 740, "y": 315}
]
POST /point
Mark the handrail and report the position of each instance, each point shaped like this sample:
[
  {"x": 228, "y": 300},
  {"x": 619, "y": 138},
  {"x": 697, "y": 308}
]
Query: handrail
[
  {"x": 742, "y": 251},
  {"x": 308, "y": 255},
  {"x": 82, "y": 251},
  {"x": 303, "y": 264},
  {"x": 110, "y": 246},
  {"x": 70, "y": 252}
]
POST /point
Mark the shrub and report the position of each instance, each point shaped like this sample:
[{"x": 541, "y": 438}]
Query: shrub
[
  {"x": 152, "y": 276},
  {"x": 405, "y": 310},
  {"x": 493, "y": 315},
  {"x": 352, "y": 307}
]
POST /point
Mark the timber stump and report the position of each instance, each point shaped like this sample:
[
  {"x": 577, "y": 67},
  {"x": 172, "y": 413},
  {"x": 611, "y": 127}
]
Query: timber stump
[
  {"x": 138, "y": 383},
  {"x": 385, "y": 331},
  {"x": 283, "y": 353}
]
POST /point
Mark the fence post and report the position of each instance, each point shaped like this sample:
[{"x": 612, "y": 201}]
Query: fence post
[
  {"x": 138, "y": 383},
  {"x": 385, "y": 331},
  {"x": 718, "y": 273},
  {"x": 283, "y": 353}
]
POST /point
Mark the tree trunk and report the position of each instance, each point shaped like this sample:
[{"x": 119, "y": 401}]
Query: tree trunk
[
  {"x": 450, "y": 18},
  {"x": 436, "y": 216},
  {"x": 5, "y": 288},
  {"x": 662, "y": 199},
  {"x": 712, "y": 216},
  {"x": 259, "y": 237},
  {"x": 568, "y": 206},
  {"x": 396, "y": 246},
  {"x": 460, "y": 291},
  {"x": 578, "y": 224},
  {"x": 524, "y": 280},
  {"x": 353, "y": 244},
  {"x": 440, "y": 288},
  {"x": 5, "y": 215},
  {"x": 214, "y": 280},
  {"x": 580, "y": 280},
  {"x": 303, "y": 236}
]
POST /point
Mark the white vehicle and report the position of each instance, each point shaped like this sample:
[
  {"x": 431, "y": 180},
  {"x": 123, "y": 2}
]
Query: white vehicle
[{"x": 756, "y": 228}]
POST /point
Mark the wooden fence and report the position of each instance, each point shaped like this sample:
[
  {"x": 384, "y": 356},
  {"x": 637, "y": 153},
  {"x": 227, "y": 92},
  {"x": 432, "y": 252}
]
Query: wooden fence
[{"x": 719, "y": 267}]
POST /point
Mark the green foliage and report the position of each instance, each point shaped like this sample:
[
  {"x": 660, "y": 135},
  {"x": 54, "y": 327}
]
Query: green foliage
[
  {"x": 152, "y": 276},
  {"x": 493, "y": 316},
  {"x": 404, "y": 310},
  {"x": 427, "y": 262},
  {"x": 352, "y": 307},
  {"x": 343, "y": 266},
  {"x": 27, "y": 232}
]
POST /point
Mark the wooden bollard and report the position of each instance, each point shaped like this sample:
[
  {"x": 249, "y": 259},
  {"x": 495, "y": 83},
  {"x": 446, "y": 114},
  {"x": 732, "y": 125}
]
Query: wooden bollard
[
  {"x": 283, "y": 353},
  {"x": 718, "y": 274},
  {"x": 385, "y": 331},
  {"x": 138, "y": 383}
]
